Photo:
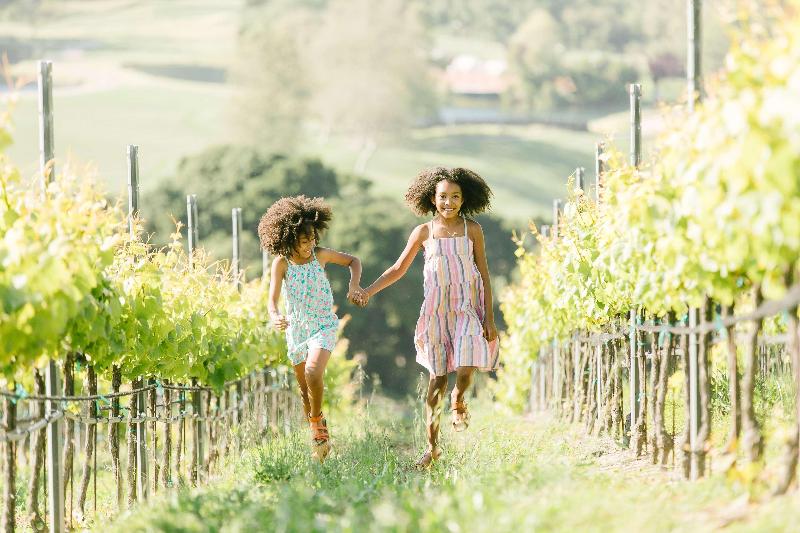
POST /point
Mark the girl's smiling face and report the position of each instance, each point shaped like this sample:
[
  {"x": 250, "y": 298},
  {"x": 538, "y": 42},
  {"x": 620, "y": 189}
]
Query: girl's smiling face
[
  {"x": 448, "y": 199},
  {"x": 305, "y": 245}
]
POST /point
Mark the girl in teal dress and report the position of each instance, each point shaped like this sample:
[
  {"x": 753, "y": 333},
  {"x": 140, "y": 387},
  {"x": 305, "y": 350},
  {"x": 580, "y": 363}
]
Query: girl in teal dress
[{"x": 290, "y": 230}]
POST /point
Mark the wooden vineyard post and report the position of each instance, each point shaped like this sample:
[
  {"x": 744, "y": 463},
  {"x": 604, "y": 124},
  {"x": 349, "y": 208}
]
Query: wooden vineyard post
[
  {"x": 181, "y": 440},
  {"x": 704, "y": 389},
  {"x": 193, "y": 474},
  {"x": 236, "y": 264},
  {"x": 198, "y": 454},
  {"x": 153, "y": 410},
  {"x": 554, "y": 226},
  {"x": 633, "y": 374},
  {"x": 694, "y": 397},
  {"x": 635, "y": 159},
  {"x": 201, "y": 434},
  {"x": 694, "y": 80},
  {"x": 69, "y": 434},
  {"x": 238, "y": 279},
  {"x": 636, "y": 124},
  {"x": 693, "y": 73},
  {"x": 139, "y": 401},
  {"x": 198, "y": 425},
  {"x": 53, "y": 386},
  {"x": 132, "y": 448},
  {"x": 580, "y": 180},
  {"x": 599, "y": 150},
  {"x": 192, "y": 229},
  {"x": 166, "y": 470},
  {"x": 640, "y": 430},
  {"x": 133, "y": 187},
  {"x": 142, "y": 468}
]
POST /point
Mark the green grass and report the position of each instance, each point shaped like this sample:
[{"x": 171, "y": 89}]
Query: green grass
[
  {"x": 168, "y": 120},
  {"x": 503, "y": 474}
]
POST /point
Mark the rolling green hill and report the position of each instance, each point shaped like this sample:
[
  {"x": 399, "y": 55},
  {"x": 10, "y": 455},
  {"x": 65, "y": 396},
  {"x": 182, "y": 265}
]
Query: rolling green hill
[{"x": 128, "y": 73}]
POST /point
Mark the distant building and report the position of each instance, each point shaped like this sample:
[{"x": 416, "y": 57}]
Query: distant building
[{"x": 468, "y": 75}]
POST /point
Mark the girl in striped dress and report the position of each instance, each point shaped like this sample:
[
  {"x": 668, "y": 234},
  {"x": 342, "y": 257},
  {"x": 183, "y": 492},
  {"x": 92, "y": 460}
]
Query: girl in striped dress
[
  {"x": 290, "y": 230},
  {"x": 456, "y": 330}
]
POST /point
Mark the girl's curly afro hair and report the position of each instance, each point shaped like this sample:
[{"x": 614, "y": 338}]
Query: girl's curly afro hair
[
  {"x": 290, "y": 218},
  {"x": 476, "y": 193}
]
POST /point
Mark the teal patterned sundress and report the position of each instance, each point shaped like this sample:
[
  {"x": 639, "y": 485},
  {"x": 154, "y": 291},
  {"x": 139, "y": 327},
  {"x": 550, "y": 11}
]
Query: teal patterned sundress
[{"x": 309, "y": 305}]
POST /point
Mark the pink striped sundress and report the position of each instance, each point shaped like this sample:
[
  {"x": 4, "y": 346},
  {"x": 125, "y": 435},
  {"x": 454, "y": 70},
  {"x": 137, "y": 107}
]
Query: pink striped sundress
[{"x": 449, "y": 332}]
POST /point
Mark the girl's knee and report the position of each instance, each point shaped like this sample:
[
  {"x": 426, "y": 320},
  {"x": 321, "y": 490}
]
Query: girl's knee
[
  {"x": 314, "y": 373},
  {"x": 439, "y": 381}
]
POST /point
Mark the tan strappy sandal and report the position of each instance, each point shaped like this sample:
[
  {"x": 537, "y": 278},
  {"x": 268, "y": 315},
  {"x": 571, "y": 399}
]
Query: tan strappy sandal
[
  {"x": 460, "y": 416},
  {"x": 428, "y": 458},
  {"x": 320, "y": 438}
]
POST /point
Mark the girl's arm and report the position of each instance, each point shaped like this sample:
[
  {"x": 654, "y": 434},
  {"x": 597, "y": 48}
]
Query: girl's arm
[
  {"x": 326, "y": 255},
  {"x": 278, "y": 271},
  {"x": 399, "y": 268},
  {"x": 476, "y": 234}
]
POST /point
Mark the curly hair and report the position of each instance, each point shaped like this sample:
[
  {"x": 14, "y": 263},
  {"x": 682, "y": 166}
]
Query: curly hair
[
  {"x": 477, "y": 194},
  {"x": 281, "y": 227}
]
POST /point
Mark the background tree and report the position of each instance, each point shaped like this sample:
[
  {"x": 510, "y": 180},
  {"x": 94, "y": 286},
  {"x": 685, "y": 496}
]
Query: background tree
[
  {"x": 271, "y": 105},
  {"x": 370, "y": 70},
  {"x": 533, "y": 52}
]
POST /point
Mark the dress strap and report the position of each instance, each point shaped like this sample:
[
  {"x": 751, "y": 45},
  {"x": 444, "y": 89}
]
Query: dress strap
[
  {"x": 466, "y": 237},
  {"x": 430, "y": 230}
]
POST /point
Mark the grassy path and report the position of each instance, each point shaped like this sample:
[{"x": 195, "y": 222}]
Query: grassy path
[{"x": 503, "y": 474}]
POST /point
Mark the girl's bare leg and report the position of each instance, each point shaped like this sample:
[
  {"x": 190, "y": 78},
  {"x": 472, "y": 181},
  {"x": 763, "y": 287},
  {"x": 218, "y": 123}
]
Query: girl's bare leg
[
  {"x": 437, "y": 386},
  {"x": 300, "y": 374},
  {"x": 314, "y": 372},
  {"x": 463, "y": 382}
]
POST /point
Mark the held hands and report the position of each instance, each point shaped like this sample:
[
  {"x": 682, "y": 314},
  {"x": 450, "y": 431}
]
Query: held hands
[
  {"x": 489, "y": 330},
  {"x": 358, "y": 296},
  {"x": 279, "y": 321}
]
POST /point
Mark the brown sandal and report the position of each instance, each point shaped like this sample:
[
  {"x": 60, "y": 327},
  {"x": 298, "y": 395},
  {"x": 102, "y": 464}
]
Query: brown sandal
[
  {"x": 460, "y": 416},
  {"x": 320, "y": 438},
  {"x": 428, "y": 458}
]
